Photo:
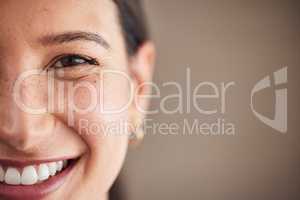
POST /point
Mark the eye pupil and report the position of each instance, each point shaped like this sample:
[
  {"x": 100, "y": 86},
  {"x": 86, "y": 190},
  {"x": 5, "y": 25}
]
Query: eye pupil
[
  {"x": 69, "y": 61},
  {"x": 72, "y": 60}
]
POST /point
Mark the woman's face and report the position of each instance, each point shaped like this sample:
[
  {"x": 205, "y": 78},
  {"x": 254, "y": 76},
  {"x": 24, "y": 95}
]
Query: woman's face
[{"x": 63, "y": 97}]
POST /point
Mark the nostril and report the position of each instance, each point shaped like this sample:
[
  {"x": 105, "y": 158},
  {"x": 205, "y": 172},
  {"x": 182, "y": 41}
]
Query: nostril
[
  {"x": 28, "y": 132},
  {"x": 20, "y": 143}
]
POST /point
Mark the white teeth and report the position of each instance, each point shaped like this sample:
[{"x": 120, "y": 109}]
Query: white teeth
[
  {"x": 59, "y": 165},
  {"x": 29, "y": 176},
  {"x": 43, "y": 172},
  {"x": 52, "y": 168},
  {"x": 12, "y": 176},
  {"x": 2, "y": 174}
]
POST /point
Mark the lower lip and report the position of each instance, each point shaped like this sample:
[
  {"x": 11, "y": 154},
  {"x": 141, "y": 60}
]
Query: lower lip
[{"x": 38, "y": 191}]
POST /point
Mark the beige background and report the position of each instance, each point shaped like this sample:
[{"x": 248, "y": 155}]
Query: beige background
[{"x": 222, "y": 41}]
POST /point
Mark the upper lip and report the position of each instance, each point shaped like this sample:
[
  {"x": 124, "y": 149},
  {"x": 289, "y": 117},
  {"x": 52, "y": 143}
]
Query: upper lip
[{"x": 23, "y": 163}]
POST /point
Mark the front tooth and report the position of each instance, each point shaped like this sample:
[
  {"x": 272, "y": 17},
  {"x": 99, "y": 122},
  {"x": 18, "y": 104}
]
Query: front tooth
[
  {"x": 2, "y": 174},
  {"x": 59, "y": 165},
  {"x": 43, "y": 172},
  {"x": 52, "y": 168},
  {"x": 12, "y": 176},
  {"x": 29, "y": 176}
]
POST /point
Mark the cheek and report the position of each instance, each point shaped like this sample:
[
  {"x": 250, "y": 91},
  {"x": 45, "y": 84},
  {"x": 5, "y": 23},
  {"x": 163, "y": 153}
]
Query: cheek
[
  {"x": 104, "y": 128},
  {"x": 100, "y": 107},
  {"x": 105, "y": 132}
]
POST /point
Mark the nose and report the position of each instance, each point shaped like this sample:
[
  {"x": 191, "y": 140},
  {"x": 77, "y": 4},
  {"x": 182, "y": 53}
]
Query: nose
[
  {"x": 20, "y": 128},
  {"x": 23, "y": 131}
]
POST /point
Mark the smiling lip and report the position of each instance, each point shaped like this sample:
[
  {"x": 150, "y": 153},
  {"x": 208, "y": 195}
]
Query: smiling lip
[
  {"x": 38, "y": 191},
  {"x": 15, "y": 163}
]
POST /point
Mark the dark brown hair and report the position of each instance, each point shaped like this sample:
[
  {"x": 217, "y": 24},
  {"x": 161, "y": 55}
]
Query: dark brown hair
[{"x": 132, "y": 20}]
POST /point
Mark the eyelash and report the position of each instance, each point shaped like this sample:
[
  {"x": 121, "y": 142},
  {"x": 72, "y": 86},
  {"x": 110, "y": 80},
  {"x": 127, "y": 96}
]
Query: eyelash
[{"x": 71, "y": 58}]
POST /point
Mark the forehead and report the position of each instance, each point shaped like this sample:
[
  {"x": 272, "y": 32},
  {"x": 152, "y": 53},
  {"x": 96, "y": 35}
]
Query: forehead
[{"x": 30, "y": 18}]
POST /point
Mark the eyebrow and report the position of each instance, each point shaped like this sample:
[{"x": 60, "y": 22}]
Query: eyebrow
[{"x": 74, "y": 36}]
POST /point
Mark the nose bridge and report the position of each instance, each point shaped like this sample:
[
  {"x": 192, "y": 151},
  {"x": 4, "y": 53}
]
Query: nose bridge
[{"x": 17, "y": 58}]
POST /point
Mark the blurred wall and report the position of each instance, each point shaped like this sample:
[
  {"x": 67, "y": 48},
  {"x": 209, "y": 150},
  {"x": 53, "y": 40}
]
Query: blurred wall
[{"x": 222, "y": 41}]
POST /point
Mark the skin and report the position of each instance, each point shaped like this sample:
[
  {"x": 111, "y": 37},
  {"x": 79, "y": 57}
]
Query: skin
[{"x": 24, "y": 25}]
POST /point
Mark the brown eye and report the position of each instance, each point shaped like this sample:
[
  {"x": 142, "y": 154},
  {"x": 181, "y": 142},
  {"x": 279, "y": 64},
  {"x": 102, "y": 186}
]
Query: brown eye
[
  {"x": 72, "y": 66},
  {"x": 73, "y": 60}
]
